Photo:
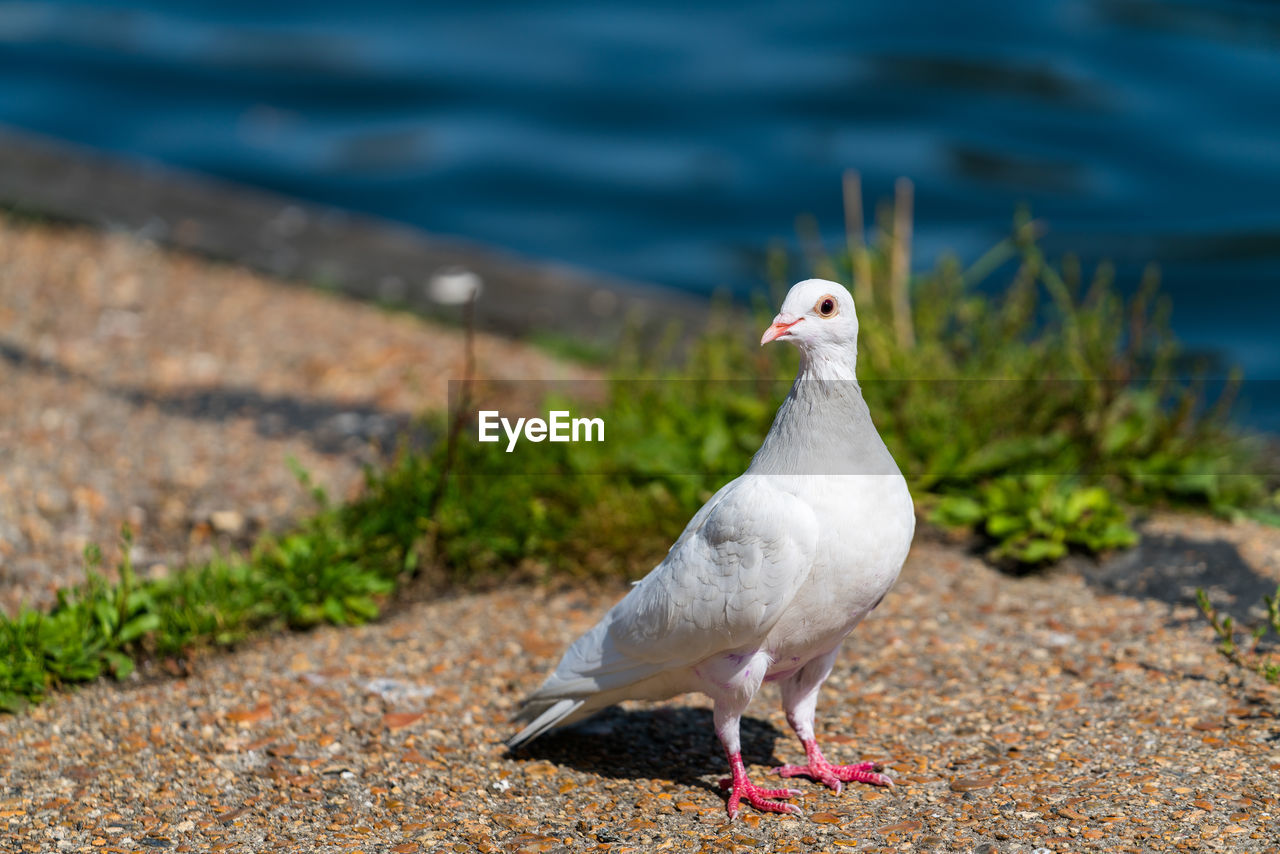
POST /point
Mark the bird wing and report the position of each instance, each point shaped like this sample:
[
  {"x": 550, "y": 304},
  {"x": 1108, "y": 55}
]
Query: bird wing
[
  {"x": 722, "y": 586},
  {"x": 725, "y": 582}
]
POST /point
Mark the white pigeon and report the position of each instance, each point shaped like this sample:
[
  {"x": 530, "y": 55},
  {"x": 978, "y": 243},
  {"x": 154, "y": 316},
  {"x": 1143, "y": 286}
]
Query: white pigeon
[{"x": 770, "y": 576}]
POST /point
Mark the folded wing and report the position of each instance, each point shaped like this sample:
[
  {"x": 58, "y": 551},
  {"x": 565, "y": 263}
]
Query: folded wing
[{"x": 724, "y": 584}]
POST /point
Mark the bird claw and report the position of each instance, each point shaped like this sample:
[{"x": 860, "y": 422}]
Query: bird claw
[
  {"x": 828, "y": 779},
  {"x": 835, "y": 776},
  {"x": 727, "y": 782},
  {"x": 764, "y": 800}
]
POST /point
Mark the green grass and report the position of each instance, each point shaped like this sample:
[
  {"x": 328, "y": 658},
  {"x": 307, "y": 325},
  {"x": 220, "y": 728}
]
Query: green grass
[
  {"x": 338, "y": 567},
  {"x": 1250, "y": 655},
  {"x": 1039, "y": 413}
]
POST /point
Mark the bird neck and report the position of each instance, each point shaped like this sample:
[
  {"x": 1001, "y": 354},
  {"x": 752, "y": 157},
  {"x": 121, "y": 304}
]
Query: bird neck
[
  {"x": 829, "y": 365},
  {"x": 824, "y": 426}
]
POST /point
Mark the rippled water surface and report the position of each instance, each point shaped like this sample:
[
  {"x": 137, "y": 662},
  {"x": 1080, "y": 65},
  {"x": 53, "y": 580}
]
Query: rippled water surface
[{"x": 672, "y": 145}]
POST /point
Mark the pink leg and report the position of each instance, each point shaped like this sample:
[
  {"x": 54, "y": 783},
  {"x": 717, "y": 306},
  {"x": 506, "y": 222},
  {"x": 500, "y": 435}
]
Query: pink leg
[
  {"x": 731, "y": 681},
  {"x": 762, "y": 799},
  {"x": 833, "y": 775},
  {"x": 800, "y": 699}
]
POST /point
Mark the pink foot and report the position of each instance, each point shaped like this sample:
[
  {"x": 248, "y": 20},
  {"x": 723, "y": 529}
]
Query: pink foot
[
  {"x": 834, "y": 776},
  {"x": 762, "y": 799}
]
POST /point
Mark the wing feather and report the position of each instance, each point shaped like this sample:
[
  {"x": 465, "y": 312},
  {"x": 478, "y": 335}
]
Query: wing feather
[{"x": 723, "y": 585}]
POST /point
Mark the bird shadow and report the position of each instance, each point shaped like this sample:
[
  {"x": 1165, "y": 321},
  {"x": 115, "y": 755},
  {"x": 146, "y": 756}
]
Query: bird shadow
[{"x": 674, "y": 743}]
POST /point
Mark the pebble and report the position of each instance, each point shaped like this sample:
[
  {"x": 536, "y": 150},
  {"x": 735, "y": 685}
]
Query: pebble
[{"x": 227, "y": 521}]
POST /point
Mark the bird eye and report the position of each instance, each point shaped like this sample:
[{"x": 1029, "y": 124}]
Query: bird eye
[{"x": 826, "y": 306}]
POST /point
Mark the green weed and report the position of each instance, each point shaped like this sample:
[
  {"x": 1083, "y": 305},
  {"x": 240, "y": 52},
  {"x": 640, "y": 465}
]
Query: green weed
[
  {"x": 1249, "y": 656},
  {"x": 338, "y": 567}
]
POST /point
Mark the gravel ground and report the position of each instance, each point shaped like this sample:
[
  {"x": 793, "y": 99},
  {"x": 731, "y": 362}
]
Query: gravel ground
[
  {"x": 1016, "y": 715},
  {"x": 161, "y": 390},
  {"x": 1085, "y": 709}
]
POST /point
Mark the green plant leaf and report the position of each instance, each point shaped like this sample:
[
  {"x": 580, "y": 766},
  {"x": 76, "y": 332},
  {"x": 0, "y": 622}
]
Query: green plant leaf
[
  {"x": 121, "y": 665},
  {"x": 138, "y": 626}
]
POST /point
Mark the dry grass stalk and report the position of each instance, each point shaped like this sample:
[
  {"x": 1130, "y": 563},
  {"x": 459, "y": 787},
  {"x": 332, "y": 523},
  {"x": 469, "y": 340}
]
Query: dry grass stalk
[
  {"x": 900, "y": 263},
  {"x": 859, "y": 257}
]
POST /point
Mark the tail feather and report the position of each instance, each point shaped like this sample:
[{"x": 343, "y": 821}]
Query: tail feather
[
  {"x": 593, "y": 675},
  {"x": 541, "y": 713},
  {"x": 540, "y": 716}
]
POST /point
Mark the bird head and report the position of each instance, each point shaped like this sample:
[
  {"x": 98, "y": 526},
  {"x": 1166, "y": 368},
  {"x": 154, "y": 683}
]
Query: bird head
[{"x": 817, "y": 316}]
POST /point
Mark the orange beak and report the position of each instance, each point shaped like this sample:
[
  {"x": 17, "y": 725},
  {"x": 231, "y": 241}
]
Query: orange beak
[{"x": 779, "y": 328}]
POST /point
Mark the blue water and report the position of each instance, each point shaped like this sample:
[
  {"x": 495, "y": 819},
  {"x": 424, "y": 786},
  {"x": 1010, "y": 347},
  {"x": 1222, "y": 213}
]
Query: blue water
[{"x": 673, "y": 145}]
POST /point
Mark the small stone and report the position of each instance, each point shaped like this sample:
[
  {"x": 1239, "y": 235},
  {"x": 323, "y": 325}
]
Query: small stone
[
  {"x": 969, "y": 784},
  {"x": 247, "y": 717},
  {"x": 400, "y": 720},
  {"x": 227, "y": 521}
]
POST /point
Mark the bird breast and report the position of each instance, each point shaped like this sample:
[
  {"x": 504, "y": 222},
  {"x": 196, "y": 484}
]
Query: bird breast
[{"x": 867, "y": 523}]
